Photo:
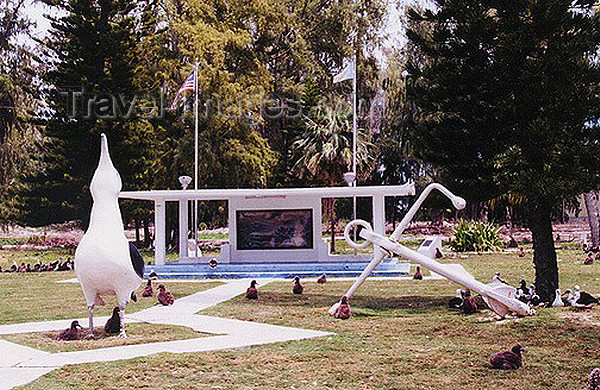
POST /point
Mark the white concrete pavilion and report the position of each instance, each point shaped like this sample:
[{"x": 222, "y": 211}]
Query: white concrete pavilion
[{"x": 266, "y": 225}]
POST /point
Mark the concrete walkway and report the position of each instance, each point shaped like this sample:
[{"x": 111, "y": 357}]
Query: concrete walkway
[{"x": 20, "y": 365}]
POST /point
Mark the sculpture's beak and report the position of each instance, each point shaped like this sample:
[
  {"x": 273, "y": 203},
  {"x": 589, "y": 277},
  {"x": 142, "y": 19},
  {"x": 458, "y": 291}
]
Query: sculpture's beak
[{"x": 104, "y": 154}]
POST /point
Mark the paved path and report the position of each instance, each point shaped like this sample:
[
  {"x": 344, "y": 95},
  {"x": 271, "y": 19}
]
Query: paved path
[{"x": 20, "y": 365}]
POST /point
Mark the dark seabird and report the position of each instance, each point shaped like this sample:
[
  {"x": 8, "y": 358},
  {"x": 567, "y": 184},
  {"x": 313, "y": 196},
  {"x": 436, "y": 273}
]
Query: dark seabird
[
  {"x": 148, "y": 291},
  {"x": 298, "y": 289},
  {"x": 418, "y": 275},
  {"x": 164, "y": 297},
  {"x": 343, "y": 311},
  {"x": 508, "y": 360},
  {"x": 593, "y": 380},
  {"x": 252, "y": 292},
  {"x": 71, "y": 333},
  {"x": 469, "y": 305},
  {"x": 113, "y": 325}
]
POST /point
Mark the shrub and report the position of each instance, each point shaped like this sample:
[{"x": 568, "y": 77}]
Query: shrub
[{"x": 476, "y": 236}]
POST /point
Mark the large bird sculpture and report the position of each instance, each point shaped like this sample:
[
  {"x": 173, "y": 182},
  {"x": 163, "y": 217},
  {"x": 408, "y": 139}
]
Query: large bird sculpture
[{"x": 105, "y": 262}]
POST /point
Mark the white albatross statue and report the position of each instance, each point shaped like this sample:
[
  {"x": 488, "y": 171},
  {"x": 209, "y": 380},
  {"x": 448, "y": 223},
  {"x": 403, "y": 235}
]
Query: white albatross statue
[{"x": 105, "y": 262}]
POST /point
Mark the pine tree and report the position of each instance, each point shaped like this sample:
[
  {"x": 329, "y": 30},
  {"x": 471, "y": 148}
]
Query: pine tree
[
  {"x": 92, "y": 48},
  {"x": 506, "y": 101}
]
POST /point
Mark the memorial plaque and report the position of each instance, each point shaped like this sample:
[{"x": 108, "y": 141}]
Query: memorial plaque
[{"x": 274, "y": 229}]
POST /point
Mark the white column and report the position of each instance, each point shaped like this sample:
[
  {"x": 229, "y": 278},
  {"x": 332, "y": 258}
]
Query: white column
[
  {"x": 159, "y": 232},
  {"x": 378, "y": 217},
  {"x": 183, "y": 229}
]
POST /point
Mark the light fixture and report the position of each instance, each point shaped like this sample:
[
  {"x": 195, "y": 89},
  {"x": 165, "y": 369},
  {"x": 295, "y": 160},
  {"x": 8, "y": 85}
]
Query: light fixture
[
  {"x": 185, "y": 181},
  {"x": 349, "y": 177}
]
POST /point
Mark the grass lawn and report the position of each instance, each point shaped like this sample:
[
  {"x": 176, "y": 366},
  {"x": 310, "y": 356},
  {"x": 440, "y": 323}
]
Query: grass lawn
[
  {"x": 137, "y": 333},
  {"x": 401, "y": 337},
  {"x": 36, "y": 296}
]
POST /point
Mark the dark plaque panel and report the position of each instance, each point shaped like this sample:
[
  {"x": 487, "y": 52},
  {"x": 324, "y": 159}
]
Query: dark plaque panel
[{"x": 274, "y": 229}]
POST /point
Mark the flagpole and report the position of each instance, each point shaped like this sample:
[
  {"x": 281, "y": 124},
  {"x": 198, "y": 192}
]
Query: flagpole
[
  {"x": 354, "y": 142},
  {"x": 195, "y": 158}
]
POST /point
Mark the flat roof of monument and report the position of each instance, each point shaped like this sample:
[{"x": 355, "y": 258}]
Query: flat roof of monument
[{"x": 222, "y": 194}]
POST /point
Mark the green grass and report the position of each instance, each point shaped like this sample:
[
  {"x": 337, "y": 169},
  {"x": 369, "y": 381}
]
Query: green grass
[
  {"x": 209, "y": 235},
  {"x": 37, "y": 297},
  {"x": 401, "y": 337},
  {"x": 137, "y": 333}
]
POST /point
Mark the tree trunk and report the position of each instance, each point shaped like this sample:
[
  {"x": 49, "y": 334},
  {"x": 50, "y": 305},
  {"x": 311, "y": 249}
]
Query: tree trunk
[
  {"x": 591, "y": 204},
  {"x": 544, "y": 252},
  {"x": 147, "y": 238},
  {"x": 137, "y": 231}
]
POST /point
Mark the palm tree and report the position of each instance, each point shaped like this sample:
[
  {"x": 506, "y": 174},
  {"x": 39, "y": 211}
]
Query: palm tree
[{"x": 324, "y": 149}]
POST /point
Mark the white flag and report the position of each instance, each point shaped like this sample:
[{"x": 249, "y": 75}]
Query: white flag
[{"x": 346, "y": 74}]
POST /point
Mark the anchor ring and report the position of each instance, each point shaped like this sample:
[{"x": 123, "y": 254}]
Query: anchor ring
[{"x": 349, "y": 226}]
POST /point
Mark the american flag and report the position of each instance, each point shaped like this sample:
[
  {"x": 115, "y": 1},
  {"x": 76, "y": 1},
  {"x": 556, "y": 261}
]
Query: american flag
[{"x": 188, "y": 85}]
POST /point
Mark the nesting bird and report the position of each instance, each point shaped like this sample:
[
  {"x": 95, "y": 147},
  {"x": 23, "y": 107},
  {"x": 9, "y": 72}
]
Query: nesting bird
[
  {"x": 469, "y": 305},
  {"x": 457, "y": 301},
  {"x": 71, "y": 333},
  {"x": 580, "y": 299},
  {"x": 113, "y": 325},
  {"x": 558, "y": 302},
  {"x": 252, "y": 291},
  {"x": 508, "y": 360},
  {"x": 148, "y": 291},
  {"x": 418, "y": 275},
  {"x": 106, "y": 263},
  {"x": 297, "y": 289},
  {"x": 343, "y": 310},
  {"x": 593, "y": 380},
  {"x": 523, "y": 291},
  {"x": 322, "y": 279},
  {"x": 164, "y": 296}
]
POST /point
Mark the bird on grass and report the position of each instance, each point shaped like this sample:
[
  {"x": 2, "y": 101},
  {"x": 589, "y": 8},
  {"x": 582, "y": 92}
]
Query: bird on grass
[
  {"x": 508, "y": 360},
  {"x": 558, "y": 302},
  {"x": 418, "y": 275},
  {"x": 589, "y": 260},
  {"x": 71, "y": 333},
  {"x": 580, "y": 299},
  {"x": 497, "y": 278},
  {"x": 593, "y": 380},
  {"x": 252, "y": 291},
  {"x": 148, "y": 291},
  {"x": 343, "y": 311},
  {"x": 457, "y": 301},
  {"x": 469, "y": 305},
  {"x": 164, "y": 297},
  {"x": 113, "y": 325},
  {"x": 298, "y": 289},
  {"x": 523, "y": 291},
  {"x": 322, "y": 279}
]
